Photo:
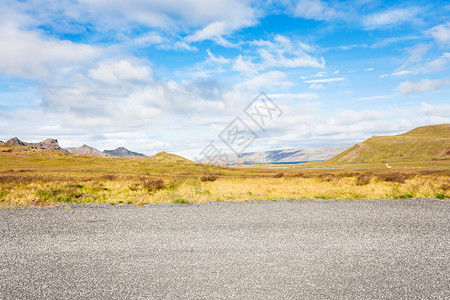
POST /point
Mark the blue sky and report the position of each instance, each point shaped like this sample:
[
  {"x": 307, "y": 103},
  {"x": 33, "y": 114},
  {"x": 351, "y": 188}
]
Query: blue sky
[{"x": 170, "y": 76}]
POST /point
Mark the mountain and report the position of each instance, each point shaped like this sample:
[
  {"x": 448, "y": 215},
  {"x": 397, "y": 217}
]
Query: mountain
[
  {"x": 122, "y": 152},
  {"x": 48, "y": 144},
  {"x": 426, "y": 143},
  {"x": 285, "y": 156},
  {"x": 86, "y": 150}
]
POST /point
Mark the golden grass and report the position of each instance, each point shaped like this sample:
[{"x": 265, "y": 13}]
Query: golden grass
[
  {"x": 48, "y": 177},
  {"x": 43, "y": 189}
]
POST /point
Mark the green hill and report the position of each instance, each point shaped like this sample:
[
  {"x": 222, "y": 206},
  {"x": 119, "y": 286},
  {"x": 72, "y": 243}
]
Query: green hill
[{"x": 426, "y": 146}]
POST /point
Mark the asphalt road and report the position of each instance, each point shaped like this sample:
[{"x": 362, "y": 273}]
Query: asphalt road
[{"x": 305, "y": 249}]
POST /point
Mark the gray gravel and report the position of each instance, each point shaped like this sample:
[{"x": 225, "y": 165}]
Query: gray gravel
[{"x": 305, "y": 249}]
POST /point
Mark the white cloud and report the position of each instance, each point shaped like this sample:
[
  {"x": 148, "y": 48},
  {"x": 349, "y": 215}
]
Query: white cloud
[
  {"x": 119, "y": 71},
  {"x": 301, "y": 96},
  {"x": 213, "y": 30},
  {"x": 401, "y": 73},
  {"x": 314, "y": 9},
  {"x": 285, "y": 53},
  {"x": 216, "y": 59},
  {"x": 436, "y": 111},
  {"x": 423, "y": 86},
  {"x": 316, "y": 86},
  {"x": 441, "y": 33},
  {"x": 263, "y": 82},
  {"x": 317, "y": 75},
  {"x": 369, "y": 69},
  {"x": 150, "y": 38},
  {"x": 374, "y": 98},
  {"x": 390, "y": 17},
  {"x": 245, "y": 66},
  {"x": 436, "y": 65},
  {"x": 384, "y": 75},
  {"x": 29, "y": 54},
  {"x": 326, "y": 80},
  {"x": 415, "y": 64},
  {"x": 178, "y": 45},
  {"x": 172, "y": 14}
]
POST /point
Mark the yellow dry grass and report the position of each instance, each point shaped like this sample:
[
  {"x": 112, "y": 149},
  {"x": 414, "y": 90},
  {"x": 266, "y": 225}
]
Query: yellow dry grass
[
  {"x": 49, "y": 177},
  {"x": 44, "y": 190}
]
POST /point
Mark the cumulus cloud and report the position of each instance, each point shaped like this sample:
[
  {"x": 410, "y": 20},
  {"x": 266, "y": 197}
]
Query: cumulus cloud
[
  {"x": 171, "y": 14},
  {"x": 423, "y": 86},
  {"x": 441, "y": 33},
  {"x": 30, "y": 54},
  {"x": 436, "y": 110},
  {"x": 119, "y": 71}
]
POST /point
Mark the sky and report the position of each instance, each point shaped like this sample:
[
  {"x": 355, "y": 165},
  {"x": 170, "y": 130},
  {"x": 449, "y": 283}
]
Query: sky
[{"x": 173, "y": 75}]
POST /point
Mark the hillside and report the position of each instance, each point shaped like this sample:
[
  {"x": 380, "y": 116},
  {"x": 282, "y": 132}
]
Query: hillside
[
  {"x": 164, "y": 157},
  {"x": 423, "y": 144}
]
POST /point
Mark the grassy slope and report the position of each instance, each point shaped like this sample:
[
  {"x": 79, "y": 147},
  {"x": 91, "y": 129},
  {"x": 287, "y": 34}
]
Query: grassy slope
[{"x": 426, "y": 146}]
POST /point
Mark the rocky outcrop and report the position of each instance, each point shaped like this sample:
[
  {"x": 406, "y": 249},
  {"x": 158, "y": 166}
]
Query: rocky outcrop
[
  {"x": 16, "y": 141},
  {"x": 48, "y": 144}
]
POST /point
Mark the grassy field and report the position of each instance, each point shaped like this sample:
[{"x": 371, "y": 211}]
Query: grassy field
[{"x": 30, "y": 178}]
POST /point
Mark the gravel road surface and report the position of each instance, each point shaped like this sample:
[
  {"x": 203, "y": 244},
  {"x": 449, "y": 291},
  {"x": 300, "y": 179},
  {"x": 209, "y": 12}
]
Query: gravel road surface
[{"x": 302, "y": 249}]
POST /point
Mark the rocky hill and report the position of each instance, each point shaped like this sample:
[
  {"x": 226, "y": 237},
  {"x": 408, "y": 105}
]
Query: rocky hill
[
  {"x": 122, "y": 152},
  {"x": 86, "y": 150},
  {"x": 48, "y": 144}
]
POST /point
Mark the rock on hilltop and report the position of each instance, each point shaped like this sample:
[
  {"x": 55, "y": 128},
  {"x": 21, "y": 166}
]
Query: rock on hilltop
[{"x": 48, "y": 144}]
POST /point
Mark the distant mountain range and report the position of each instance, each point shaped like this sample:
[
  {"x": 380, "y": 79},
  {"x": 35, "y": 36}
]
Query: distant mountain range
[
  {"x": 52, "y": 144},
  {"x": 285, "y": 156},
  {"x": 422, "y": 144}
]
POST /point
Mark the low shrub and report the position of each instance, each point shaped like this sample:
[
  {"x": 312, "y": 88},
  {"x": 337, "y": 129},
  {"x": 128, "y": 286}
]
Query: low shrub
[
  {"x": 181, "y": 201},
  {"x": 208, "y": 178},
  {"x": 363, "y": 179},
  {"x": 152, "y": 185},
  {"x": 441, "y": 196},
  {"x": 394, "y": 177},
  {"x": 320, "y": 196},
  {"x": 405, "y": 196}
]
